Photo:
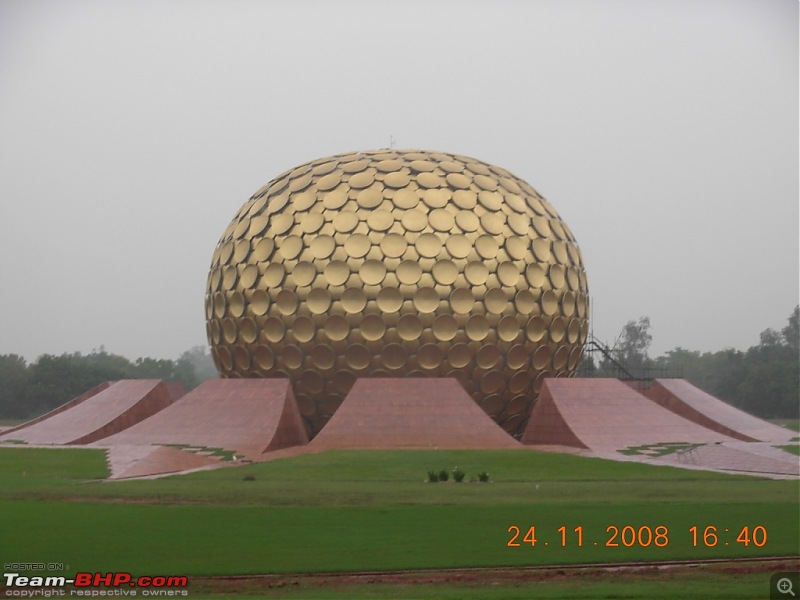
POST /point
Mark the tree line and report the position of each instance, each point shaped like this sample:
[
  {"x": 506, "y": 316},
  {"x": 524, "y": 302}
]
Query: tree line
[
  {"x": 28, "y": 390},
  {"x": 763, "y": 380}
]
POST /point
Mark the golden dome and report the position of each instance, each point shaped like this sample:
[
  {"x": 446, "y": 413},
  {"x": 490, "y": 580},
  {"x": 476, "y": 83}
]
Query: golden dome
[{"x": 398, "y": 263}]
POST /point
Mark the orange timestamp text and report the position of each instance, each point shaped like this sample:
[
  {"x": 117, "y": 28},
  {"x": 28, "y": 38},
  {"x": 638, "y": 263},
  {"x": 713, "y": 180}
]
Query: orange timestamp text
[{"x": 643, "y": 536}]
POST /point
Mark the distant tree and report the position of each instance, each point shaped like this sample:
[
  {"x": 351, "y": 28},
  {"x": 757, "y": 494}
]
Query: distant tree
[
  {"x": 630, "y": 348},
  {"x": 13, "y": 382},
  {"x": 791, "y": 333},
  {"x": 198, "y": 359}
]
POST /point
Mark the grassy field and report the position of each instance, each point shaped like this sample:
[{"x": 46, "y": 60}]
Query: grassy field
[
  {"x": 788, "y": 423},
  {"x": 351, "y": 511}
]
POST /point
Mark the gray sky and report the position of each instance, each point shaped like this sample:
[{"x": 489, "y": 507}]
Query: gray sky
[{"x": 665, "y": 132}]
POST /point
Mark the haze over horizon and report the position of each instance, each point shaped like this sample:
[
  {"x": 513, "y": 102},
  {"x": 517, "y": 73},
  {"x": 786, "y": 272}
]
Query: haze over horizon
[{"x": 665, "y": 133}]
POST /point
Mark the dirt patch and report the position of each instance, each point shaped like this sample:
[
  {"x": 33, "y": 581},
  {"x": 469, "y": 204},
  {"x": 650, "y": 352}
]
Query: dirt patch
[{"x": 506, "y": 576}]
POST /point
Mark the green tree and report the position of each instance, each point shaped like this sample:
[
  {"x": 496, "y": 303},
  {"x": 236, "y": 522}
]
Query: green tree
[{"x": 14, "y": 377}]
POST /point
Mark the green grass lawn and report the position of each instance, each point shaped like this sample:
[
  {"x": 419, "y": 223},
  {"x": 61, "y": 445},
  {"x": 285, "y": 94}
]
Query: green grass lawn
[
  {"x": 793, "y": 424},
  {"x": 351, "y": 510}
]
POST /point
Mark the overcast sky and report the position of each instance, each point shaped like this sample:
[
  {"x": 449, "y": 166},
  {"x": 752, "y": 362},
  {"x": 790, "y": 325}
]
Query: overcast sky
[{"x": 665, "y": 132}]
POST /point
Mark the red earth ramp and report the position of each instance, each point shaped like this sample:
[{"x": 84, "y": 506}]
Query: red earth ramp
[
  {"x": 105, "y": 412},
  {"x": 66, "y": 406},
  {"x": 605, "y": 414},
  {"x": 690, "y": 402},
  {"x": 247, "y": 416},
  {"x": 424, "y": 412}
]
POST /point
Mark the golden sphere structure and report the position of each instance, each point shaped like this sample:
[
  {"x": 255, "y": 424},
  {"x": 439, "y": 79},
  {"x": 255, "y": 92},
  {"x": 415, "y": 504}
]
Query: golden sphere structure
[{"x": 394, "y": 263}]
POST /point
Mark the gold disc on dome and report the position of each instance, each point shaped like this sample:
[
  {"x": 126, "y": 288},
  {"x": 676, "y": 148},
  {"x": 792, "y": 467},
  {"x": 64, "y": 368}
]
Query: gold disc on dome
[
  {"x": 459, "y": 356},
  {"x": 476, "y": 273},
  {"x": 323, "y": 356},
  {"x": 495, "y": 301},
  {"x": 334, "y": 200},
  {"x": 357, "y": 356},
  {"x": 396, "y": 180},
  {"x": 441, "y": 220},
  {"x": 286, "y": 301},
  {"x": 263, "y": 249},
  {"x": 556, "y": 275},
  {"x": 458, "y": 246},
  {"x": 429, "y": 180},
  {"x": 445, "y": 272},
  {"x": 357, "y": 245},
  {"x": 458, "y": 181},
  {"x": 248, "y": 331},
  {"x": 380, "y": 220},
  {"x": 372, "y": 327},
  {"x": 330, "y": 181},
  {"x": 535, "y": 275},
  {"x": 436, "y": 198},
  {"x": 536, "y": 328},
  {"x": 487, "y": 247},
  {"x": 465, "y": 199},
  {"x": 428, "y": 245},
  {"x": 406, "y": 198},
  {"x": 461, "y": 301},
  {"x": 508, "y": 328},
  {"x": 517, "y": 357},
  {"x": 525, "y": 302},
  {"x": 264, "y": 358},
  {"x": 508, "y": 274},
  {"x": 345, "y": 221},
  {"x": 372, "y": 272},
  {"x": 292, "y": 357},
  {"x": 236, "y": 304},
  {"x": 409, "y": 272},
  {"x": 426, "y": 300},
  {"x": 361, "y": 180},
  {"x": 259, "y": 302},
  {"x": 389, "y": 300},
  {"x": 409, "y": 327},
  {"x": 549, "y": 303},
  {"x": 541, "y": 358},
  {"x": 322, "y": 246},
  {"x": 568, "y": 304},
  {"x": 487, "y": 356},
  {"x": 336, "y": 272},
  {"x": 303, "y": 329},
  {"x": 467, "y": 221},
  {"x": 318, "y": 301},
  {"x": 558, "y": 329},
  {"x": 354, "y": 300},
  {"x": 304, "y": 273},
  {"x": 477, "y": 328},
  {"x": 336, "y": 328},
  {"x": 445, "y": 328},
  {"x": 273, "y": 329},
  {"x": 371, "y": 197},
  {"x": 273, "y": 275},
  {"x": 393, "y": 245},
  {"x": 393, "y": 356},
  {"x": 413, "y": 220}
]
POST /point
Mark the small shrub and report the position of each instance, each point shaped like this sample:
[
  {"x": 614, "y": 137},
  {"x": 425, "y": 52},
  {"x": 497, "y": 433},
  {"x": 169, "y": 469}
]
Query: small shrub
[
  {"x": 249, "y": 478},
  {"x": 433, "y": 476},
  {"x": 444, "y": 475},
  {"x": 483, "y": 477},
  {"x": 458, "y": 475}
]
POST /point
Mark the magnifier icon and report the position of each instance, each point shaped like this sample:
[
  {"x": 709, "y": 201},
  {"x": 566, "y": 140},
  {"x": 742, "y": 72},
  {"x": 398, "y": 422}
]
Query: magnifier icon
[{"x": 784, "y": 586}]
